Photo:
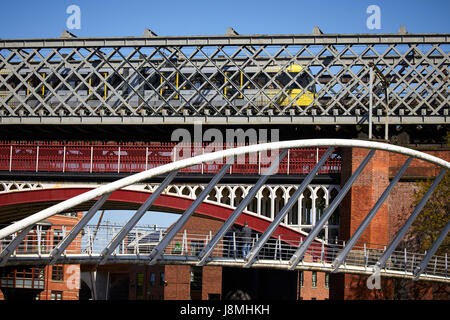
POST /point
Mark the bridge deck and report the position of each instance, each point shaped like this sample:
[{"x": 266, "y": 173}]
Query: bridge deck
[{"x": 185, "y": 246}]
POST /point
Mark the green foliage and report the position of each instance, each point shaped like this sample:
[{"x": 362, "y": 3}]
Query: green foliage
[{"x": 434, "y": 216}]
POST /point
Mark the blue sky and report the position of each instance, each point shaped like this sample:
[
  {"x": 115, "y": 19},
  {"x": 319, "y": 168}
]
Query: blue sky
[{"x": 100, "y": 18}]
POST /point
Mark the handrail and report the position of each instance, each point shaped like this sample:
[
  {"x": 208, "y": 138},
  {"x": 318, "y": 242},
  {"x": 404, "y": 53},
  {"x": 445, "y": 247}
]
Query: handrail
[
  {"x": 131, "y": 157},
  {"x": 143, "y": 238}
]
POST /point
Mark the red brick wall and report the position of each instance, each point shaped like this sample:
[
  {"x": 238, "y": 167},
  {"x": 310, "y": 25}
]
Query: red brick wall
[
  {"x": 178, "y": 277},
  {"x": 211, "y": 281},
  {"x": 417, "y": 168},
  {"x": 307, "y": 291},
  {"x": 362, "y": 196},
  {"x": 178, "y": 282},
  {"x": 359, "y": 200},
  {"x": 402, "y": 197},
  {"x": 70, "y": 271},
  {"x": 66, "y": 286}
]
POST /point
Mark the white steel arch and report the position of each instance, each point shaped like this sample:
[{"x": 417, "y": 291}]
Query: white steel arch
[
  {"x": 172, "y": 168},
  {"x": 209, "y": 157}
]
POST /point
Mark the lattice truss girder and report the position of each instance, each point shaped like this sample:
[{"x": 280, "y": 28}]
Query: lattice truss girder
[{"x": 221, "y": 79}]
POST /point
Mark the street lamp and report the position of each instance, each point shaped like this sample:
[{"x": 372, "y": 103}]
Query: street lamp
[{"x": 385, "y": 82}]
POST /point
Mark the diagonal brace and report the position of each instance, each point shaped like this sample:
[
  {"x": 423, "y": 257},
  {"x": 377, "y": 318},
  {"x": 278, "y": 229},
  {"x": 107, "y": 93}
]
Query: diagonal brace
[
  {"x": 159, "y": 249},
  {"x": 298, "y": 255},
  {"x": 423, "y": 264},
  {"x": 340, "y": 258},
  {"x": 59, "y": 249},
  {"x": 135, "y": 218},
  {"x": 280, "y": 216},
  {"x": 401, "y": 233},
  {"x": 6, "y": 253},
  {"x": 206, "y": 251}
]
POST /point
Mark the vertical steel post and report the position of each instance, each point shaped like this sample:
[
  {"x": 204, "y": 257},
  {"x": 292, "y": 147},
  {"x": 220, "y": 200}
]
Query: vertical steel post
[
  {"x": 370, "y": 103},
  {"x": 92, "y": 158},
  {"x": 37, "y": 158},
  {"x": 118, "y": 161},
  {"x": 10, "y": 157},
  {"x": 288, "y": 161},
  {"x": 405, "y": 259},
  {"x": 64, "y": 159},
  {"x": 38, "y": 236},
  {"x": 146, "y": 158},
  {"x": 234, "y": 245},
  {"x": 136, "y": 241},
  {"x": 386, "y": 128},
  {"x": 259, "y": 162},
  {"x": 446, "y": 266}
]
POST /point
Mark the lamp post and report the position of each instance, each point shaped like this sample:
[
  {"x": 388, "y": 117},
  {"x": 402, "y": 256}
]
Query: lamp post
[{"x": 385, "y": 82}]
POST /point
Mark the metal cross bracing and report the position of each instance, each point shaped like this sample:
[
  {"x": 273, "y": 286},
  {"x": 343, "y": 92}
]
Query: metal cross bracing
[
  {"x": 267, "y": 248},
  {"x": 276, "y": 79}
]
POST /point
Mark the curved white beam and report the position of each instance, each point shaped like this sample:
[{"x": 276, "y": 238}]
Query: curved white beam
[{"x": 164, "y": 169}]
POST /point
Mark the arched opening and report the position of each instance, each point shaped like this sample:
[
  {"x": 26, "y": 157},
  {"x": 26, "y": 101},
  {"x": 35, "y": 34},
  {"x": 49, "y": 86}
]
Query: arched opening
[
  {"x": 306, "y": 210},
  {"x": 333, "y": 222},
  {"x": 212, "y": 196},
  {"x": 293, "y": 212},
  {"x": 225, "y": 199},
  {"x": 279, "y": 200},
  {"x": 265, "y": 203},
  {"x": 238, "y": 196}
]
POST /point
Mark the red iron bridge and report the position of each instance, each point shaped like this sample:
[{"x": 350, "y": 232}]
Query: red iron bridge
[{"x": 135, "y": 157}]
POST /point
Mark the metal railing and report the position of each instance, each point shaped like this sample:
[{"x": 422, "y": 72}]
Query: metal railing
[
  {"x": 129, "y": 158},
  {"x": 206, "y": 248},
  {"x": 141, "y": 240}
]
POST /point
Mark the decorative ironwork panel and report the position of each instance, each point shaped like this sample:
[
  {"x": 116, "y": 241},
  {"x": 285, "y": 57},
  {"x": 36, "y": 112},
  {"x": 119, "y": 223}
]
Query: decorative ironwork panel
[{"x": 222, "y": 79}]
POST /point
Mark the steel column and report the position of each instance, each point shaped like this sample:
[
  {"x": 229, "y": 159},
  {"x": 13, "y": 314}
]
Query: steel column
[{"x": 370, "y": 102}]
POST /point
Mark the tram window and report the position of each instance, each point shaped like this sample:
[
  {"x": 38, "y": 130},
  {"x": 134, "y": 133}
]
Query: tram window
[
  {"x": 261, "y": 80},
  {"x": 197, "y": 81}
]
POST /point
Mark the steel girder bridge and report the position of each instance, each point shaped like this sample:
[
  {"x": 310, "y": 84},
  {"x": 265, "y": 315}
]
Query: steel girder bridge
[
  {"x": 230, "y": 79},
  {"x": 129, "y": 245}
]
